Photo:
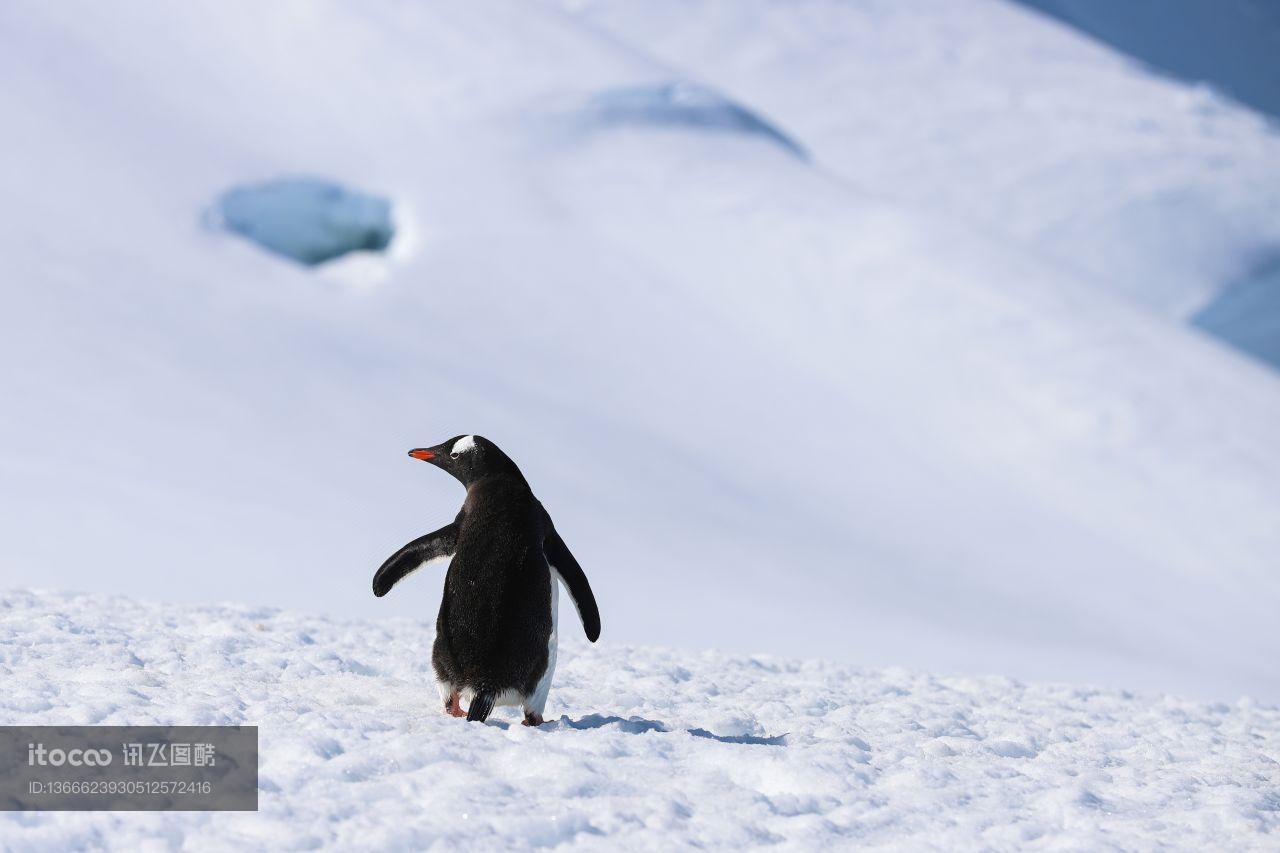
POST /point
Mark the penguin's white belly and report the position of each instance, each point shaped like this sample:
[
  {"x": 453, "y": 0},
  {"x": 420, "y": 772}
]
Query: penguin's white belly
[{"x": 538, "y": 701}]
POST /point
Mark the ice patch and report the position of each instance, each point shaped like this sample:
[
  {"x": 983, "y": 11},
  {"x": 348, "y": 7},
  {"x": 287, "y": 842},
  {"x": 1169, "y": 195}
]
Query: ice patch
[
  {"x": 684, "y": 104},
  {"x": 309, "y": 220}
]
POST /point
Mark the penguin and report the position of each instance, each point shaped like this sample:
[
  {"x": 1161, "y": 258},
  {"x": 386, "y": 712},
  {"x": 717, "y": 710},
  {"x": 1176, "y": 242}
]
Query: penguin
[{"x": 496, "y": 631}]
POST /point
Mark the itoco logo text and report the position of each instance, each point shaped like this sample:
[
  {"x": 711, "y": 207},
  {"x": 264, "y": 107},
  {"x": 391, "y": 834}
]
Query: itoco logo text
[{"x": 37, "y": 755}]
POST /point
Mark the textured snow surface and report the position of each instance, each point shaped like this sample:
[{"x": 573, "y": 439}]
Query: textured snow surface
[{"x": 647, "y": 747}]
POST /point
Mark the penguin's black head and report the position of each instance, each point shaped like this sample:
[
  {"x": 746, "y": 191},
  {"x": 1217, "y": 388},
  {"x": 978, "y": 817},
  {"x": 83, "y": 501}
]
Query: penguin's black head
[{"x": 468, "y": 458}]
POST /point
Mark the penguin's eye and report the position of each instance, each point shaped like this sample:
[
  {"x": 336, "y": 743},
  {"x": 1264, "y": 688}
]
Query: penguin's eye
[{"x": 454, "y": 455}]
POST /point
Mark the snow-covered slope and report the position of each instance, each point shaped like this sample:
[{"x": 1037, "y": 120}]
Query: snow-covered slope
[
  {"x": 1231, "y": 46},
  {"x": 648, "y": 748},
  {"x": 1159, "y": 190},
  {"x": 771, "y": 408}
]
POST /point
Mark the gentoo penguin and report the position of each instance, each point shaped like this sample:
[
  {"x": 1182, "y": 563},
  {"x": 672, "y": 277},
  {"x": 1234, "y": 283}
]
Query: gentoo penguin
[{"x": 496, "y": 632}]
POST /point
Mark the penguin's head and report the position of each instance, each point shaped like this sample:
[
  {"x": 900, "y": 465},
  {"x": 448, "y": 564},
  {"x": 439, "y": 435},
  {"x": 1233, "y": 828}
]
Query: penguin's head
[{"x": 468, "y": 458}]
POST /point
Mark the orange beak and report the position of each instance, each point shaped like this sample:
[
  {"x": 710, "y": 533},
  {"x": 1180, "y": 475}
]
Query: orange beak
[{"x": 424, "y": 455}]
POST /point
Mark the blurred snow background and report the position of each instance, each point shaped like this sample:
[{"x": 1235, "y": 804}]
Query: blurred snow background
[{"x": 860, "y": 330}]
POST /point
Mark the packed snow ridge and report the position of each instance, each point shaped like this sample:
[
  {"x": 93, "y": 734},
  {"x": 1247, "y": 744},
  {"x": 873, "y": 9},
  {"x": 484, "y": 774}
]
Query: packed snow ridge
[{"x": 644, "y": 746}]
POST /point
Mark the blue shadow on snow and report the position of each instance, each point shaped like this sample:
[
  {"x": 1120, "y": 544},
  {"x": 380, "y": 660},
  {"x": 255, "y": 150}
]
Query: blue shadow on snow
[{"x": 639, "y": 725}]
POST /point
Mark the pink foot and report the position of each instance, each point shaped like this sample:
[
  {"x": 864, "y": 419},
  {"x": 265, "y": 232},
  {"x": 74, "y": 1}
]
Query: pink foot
[
  {"x": 455, "y": 706},
  {"x": 532, "y": 719}
]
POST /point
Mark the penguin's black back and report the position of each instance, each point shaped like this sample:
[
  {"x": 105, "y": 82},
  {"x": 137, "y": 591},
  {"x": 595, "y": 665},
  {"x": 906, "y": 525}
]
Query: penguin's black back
[{"x": 495, "y": 615}]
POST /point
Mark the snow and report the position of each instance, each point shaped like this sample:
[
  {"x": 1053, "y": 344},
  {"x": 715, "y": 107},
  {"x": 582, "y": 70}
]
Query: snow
[
  {"x": 645, "y": 747},
  {"x": 1229, "y": 45},
  {"x": 926, "y": 399},
  {"x": 984, "y": 111}
]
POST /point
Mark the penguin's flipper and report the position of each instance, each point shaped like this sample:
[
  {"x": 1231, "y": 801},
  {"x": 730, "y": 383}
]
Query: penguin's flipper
[
  {"x": 563, "y": 563},
  {"x": 434, "y": 546}
]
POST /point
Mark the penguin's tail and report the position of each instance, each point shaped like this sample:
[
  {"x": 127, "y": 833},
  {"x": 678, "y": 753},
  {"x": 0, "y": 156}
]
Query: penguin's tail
[{"x": 481, "y": 706}]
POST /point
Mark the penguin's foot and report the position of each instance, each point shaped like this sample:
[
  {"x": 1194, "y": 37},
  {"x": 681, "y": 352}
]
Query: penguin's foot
[
  {"x": 454, "y": 706},
  {"x": 532, "y": 718}
]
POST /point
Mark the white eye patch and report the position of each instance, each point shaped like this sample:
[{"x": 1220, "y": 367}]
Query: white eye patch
[{"x": 462, "y": 445}]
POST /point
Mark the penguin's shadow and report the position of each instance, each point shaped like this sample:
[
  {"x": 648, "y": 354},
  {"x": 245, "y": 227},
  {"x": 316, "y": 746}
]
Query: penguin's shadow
[{"x": 639, "y": 726}]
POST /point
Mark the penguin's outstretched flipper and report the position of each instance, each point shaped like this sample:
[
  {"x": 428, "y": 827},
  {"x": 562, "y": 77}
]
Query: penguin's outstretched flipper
[
  {"x": 434, "y": 546},
  {"x": 563, "y": 563}
]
